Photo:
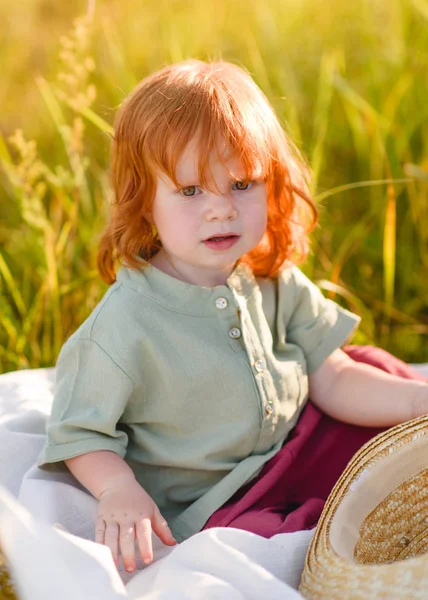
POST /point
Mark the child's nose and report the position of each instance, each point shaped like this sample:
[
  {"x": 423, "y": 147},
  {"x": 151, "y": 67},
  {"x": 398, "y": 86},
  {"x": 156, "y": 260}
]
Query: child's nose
[{"x": 222, "y": 207}]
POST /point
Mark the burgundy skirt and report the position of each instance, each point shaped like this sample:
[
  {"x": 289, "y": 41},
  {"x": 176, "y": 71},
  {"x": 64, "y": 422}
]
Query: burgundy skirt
[{"x": 290, "y": 492}]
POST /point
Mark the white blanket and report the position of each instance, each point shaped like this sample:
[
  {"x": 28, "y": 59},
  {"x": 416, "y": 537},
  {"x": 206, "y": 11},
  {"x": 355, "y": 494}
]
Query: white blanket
[{"x": 46, "y": 528}]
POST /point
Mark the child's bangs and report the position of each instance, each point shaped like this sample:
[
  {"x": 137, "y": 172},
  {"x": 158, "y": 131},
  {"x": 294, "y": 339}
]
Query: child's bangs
[{"x": 214, "y": 125}]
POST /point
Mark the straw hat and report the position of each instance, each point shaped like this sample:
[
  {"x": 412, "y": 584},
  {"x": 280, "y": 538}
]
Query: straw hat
[{"x": 372, "y": 538}]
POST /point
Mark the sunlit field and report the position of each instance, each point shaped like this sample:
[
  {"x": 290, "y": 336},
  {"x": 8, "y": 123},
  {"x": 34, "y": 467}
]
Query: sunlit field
[{"x": 349, "y": 82}]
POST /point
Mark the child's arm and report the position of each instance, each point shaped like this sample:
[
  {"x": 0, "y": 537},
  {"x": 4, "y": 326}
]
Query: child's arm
[
  {"x": 125, "y": 511},
  {"x": 364, "y": 395}
]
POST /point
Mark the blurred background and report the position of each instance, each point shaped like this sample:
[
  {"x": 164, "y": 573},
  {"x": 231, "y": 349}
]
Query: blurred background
[{"x": 348, "y": 81}]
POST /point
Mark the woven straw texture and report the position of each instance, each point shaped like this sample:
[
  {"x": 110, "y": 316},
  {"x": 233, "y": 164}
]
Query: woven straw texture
[
  {"x": 406, "y": 509},
  {"x": 390, "y": 559},
  {"x": 7, "y": 591}
]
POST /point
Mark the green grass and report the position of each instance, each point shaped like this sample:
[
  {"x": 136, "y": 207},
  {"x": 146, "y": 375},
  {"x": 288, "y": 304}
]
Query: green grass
[{"x": 348, "y": 81}]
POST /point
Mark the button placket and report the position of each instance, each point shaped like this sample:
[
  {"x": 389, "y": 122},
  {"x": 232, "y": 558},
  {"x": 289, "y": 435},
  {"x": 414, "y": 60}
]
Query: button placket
[
  {"x": 227, "y": 314},
  {"x": 255, "y": 355},
  {"x": 221, "y": 303},
  {"x": 269, "y": 407},
  {"x": 259, "y": 366},
  {"x": 235, "y": 333},
  {"x": 263, "y": 380}
]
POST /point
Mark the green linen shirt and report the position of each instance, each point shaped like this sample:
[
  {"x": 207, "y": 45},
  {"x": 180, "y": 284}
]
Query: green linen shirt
[{"x": 195, "y": 387}]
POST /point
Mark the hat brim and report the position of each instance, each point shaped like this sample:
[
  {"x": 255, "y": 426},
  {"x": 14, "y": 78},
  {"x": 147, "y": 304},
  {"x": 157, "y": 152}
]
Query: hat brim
[{"x": 372, "y": 537}]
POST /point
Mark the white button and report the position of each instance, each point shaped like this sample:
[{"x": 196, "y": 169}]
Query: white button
[
  {"x": 221, "y": 303},
  {"x": 269, "y": 409},
  {"x": 235, "y": 333},
  {"x": 260, "y": 366}
]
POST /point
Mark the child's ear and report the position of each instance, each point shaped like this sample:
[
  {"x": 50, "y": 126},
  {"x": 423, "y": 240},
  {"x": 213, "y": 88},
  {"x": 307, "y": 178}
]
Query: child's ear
[{"x": 149, "y": 217}]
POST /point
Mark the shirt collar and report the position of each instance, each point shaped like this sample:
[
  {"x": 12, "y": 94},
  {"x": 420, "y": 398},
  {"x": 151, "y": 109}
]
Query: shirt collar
[{"x": 187, "y": 298}]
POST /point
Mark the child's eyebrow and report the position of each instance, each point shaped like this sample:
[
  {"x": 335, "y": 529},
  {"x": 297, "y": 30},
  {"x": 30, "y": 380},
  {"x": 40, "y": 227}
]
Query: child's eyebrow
[{"x": 231, "y": 180}]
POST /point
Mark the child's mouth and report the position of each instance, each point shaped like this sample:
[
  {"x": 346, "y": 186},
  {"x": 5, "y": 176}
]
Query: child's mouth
[{"x": 221, "y": 243}]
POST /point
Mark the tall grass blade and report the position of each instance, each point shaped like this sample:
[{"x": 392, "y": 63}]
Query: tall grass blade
[
  {"x": 4, "y": 151},
  {"x": 9, "y": 328},
  {"x": 421, "y": 6},
  {"x": 63, "y": 130},
  {"x": 55, "y": 308},
  {"x": 351, "y": 241},
  {"x": 356, "y": 184},
  {"x": 321, "y": 116},
  {"x": 12, "y": 286},
  {"x": 53, "y": 105},
  {"x": 96, "y": 120},
  {"x": 358, "y": 101},
  {"x": 389, "y": 245},
  {"x": 120, "y": 62}
]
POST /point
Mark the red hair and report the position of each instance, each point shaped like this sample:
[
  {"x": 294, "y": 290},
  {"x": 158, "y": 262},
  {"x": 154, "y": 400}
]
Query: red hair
[{"x": 209, "y": 101}]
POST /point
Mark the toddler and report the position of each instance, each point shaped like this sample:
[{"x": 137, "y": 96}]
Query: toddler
[{"x": 195, "y": 367}]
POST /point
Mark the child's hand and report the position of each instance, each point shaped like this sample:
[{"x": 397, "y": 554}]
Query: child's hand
[{"x": 126, "y": 512}]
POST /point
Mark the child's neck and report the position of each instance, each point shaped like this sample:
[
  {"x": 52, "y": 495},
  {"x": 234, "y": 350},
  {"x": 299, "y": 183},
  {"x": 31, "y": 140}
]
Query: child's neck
[{"x": 200, "y": 277}]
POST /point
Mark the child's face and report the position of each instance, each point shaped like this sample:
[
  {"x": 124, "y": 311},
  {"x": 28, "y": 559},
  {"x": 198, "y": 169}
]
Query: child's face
[{"x": 187, "y": 218}]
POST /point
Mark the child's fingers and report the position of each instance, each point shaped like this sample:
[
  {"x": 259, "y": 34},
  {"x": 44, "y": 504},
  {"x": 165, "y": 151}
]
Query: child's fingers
[
  {"x": 111, "y": 539},
  {"x": 144, "y": 539},
  {"x": 100, "y": 529},
  {"x": 127, "y": 545},
  {"x": 160, "y": 527}
]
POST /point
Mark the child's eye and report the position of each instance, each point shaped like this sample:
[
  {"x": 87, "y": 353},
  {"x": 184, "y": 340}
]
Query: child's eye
[
  {"x": 189, "y": 191},
  {"x": 242, "y": 186}
]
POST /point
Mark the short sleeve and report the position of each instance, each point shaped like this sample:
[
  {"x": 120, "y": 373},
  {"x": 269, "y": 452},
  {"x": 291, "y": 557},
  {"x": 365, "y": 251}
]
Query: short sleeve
[
  {"x": 308, "y": 319},
  {"x": 90, "y": 396}
]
